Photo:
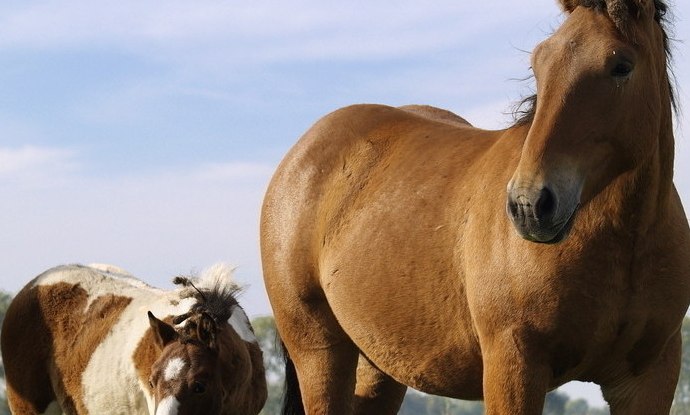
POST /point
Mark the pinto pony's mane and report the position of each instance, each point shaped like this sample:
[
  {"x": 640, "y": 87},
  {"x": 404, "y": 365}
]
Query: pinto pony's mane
[
  {"x": 620, "y": 12},
  {"x": 215, "y": 293}
]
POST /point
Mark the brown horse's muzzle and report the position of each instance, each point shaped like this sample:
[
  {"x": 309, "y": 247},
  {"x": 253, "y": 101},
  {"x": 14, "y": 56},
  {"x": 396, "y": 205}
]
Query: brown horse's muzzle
[{"x": 541, "y": 214}]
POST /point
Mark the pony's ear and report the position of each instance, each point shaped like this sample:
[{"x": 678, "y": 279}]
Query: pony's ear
[
  {"x": 163, "y": 333},
  {"x": 206, "y": 330},
  {"x": 569, "y": 5}
]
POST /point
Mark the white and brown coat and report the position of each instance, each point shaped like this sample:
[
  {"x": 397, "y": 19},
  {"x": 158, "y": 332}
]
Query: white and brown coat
[{"x": 77, "y": 340}]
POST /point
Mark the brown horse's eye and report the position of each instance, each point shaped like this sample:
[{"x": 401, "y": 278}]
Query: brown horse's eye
[
  {"x": 622, "y": 70},
  {"x": 151, "y": 384},
  {"x": 198, "y": 387}
]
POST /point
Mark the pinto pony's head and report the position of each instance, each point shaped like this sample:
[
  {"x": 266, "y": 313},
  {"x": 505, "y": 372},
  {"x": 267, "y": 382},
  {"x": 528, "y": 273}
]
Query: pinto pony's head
[
  {"x": 208, "y": 359},
  {"x": 602, "y": 110},
  {"x": 185, "y": 379}
]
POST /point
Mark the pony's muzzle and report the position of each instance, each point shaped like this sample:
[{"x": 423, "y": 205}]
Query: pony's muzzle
[{"x": 538, "y": 214}]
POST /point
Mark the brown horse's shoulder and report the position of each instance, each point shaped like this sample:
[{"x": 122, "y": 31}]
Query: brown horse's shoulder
[{"x": 338, "y": 135}]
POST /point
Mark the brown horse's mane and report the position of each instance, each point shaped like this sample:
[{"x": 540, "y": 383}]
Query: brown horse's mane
[{"x": 620, "y": 12}]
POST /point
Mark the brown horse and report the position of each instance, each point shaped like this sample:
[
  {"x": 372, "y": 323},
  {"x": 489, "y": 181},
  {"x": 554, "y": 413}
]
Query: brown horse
[
  {"x": 389, "y": 259},
  {"x": 77, "y": 340}
]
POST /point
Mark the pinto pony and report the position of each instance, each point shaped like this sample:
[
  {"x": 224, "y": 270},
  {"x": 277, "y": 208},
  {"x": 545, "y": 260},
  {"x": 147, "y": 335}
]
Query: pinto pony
[
  {"x": 77, "y": 340},
  {"x": 390, "y": 261}
]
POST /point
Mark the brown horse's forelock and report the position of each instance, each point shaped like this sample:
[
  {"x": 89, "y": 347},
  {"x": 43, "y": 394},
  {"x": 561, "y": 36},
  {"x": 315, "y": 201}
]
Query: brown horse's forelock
[
  {"x": 620, "y": 12},
  {"x": 218, "y": 302}
]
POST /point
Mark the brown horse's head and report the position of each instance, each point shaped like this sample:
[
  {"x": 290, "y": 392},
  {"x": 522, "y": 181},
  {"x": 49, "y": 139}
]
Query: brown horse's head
[
  {"x": 186, "y": 378},
  {"x": 602, "y": 100}
]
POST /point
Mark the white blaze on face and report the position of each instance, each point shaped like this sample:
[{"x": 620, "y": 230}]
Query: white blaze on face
[
  {"x": 168, "y": 406},
  {"x": 240, "y": 323},
  {"x": 53, "y": 409},
  {"x": 173, "y": 369}
]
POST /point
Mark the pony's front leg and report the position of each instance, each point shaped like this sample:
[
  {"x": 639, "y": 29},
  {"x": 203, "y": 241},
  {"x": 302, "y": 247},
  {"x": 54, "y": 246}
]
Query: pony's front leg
[
  {"x": 515, "y": 379},
  {"x": 650, "y": 393}
]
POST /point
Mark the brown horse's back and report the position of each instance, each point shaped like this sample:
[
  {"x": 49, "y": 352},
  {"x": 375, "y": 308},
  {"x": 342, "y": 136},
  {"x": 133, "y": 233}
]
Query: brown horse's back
[{"x": 366, "y": 184}]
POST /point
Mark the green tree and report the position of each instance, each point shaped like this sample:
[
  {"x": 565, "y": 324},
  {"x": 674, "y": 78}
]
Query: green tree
[
  {"x": 266, "y": 334},
  {"x": 417, "y": 403},
  {"x": 5, "y": 299},
  {"x": 577, "y": 407},
  {"x": 555, "y": 402},
  {"x": 681, "y": 400}
]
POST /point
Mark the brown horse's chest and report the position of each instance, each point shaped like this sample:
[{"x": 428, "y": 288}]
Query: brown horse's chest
[{"x": 595, "y": 316}]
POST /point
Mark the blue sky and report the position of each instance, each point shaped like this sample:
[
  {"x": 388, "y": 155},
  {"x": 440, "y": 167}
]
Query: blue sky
[{"x": 143, "y": 134}]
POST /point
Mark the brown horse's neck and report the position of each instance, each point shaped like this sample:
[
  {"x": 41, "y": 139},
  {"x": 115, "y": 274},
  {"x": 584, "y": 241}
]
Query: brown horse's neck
[
  {"x": 638, "y": 199},
  {"x": 663, "y": 161}
]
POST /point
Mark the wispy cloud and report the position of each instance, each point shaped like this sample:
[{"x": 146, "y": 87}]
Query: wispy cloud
[
  {"x": 263, "y": 31},
  {"x": 232, "y": 171},
  {"x": 36, "y": 163},
  {"x": 170, "y": 220}
]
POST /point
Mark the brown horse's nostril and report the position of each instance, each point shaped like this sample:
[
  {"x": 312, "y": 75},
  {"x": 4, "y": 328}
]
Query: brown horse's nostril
[
  {"x": 539, "y": 215},
  {"x": 536, "y": 205},
  {"x": 545, "y": 207}
]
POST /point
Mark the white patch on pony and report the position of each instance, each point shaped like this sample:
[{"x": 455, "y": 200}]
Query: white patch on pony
[
  {"x": 168, "y": 406},
  {"x": 53, "y": 409},
  {"x": 114, "y": 354},
  {"x": 102, "y": 280},
  {"x": 150, "y": 399},
  {"x": 173, "y": 369},
  {"x": 240, "y": 323},
  {"x": 111, "y": 269},
  {"x": 125, "y": 276}
]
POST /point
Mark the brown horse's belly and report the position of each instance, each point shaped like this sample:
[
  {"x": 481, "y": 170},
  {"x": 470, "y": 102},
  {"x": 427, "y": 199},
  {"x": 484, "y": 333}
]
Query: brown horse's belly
[{"x": 428, "y": 345}]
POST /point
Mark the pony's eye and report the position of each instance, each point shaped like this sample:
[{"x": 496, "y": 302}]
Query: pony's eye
[
  {"x": 622, "y": 70},
  {"x": 198, "y": 387},
  {"x": 151, "y": 384}
]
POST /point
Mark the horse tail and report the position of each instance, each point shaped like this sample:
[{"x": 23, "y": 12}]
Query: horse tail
[{"x": 292, "y": 399}]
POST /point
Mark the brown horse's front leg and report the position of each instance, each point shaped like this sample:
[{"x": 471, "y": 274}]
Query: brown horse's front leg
[
  {"x": 324, "y": 358},
  {"x": 515, "y": 378},
  {"x": 650, "y": 393},
  {"x": 376, "y": 393},
  {"x": 327, "y": 379}
]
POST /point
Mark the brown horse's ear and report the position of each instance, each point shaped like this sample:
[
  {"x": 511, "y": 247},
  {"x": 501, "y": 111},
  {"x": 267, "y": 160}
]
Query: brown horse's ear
[
  {"x": 163, "y": 333},
  {"x": 569, "y": 5},
  {"x": 206, "y": 330},
  {"x": 646, "y": 8}
]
